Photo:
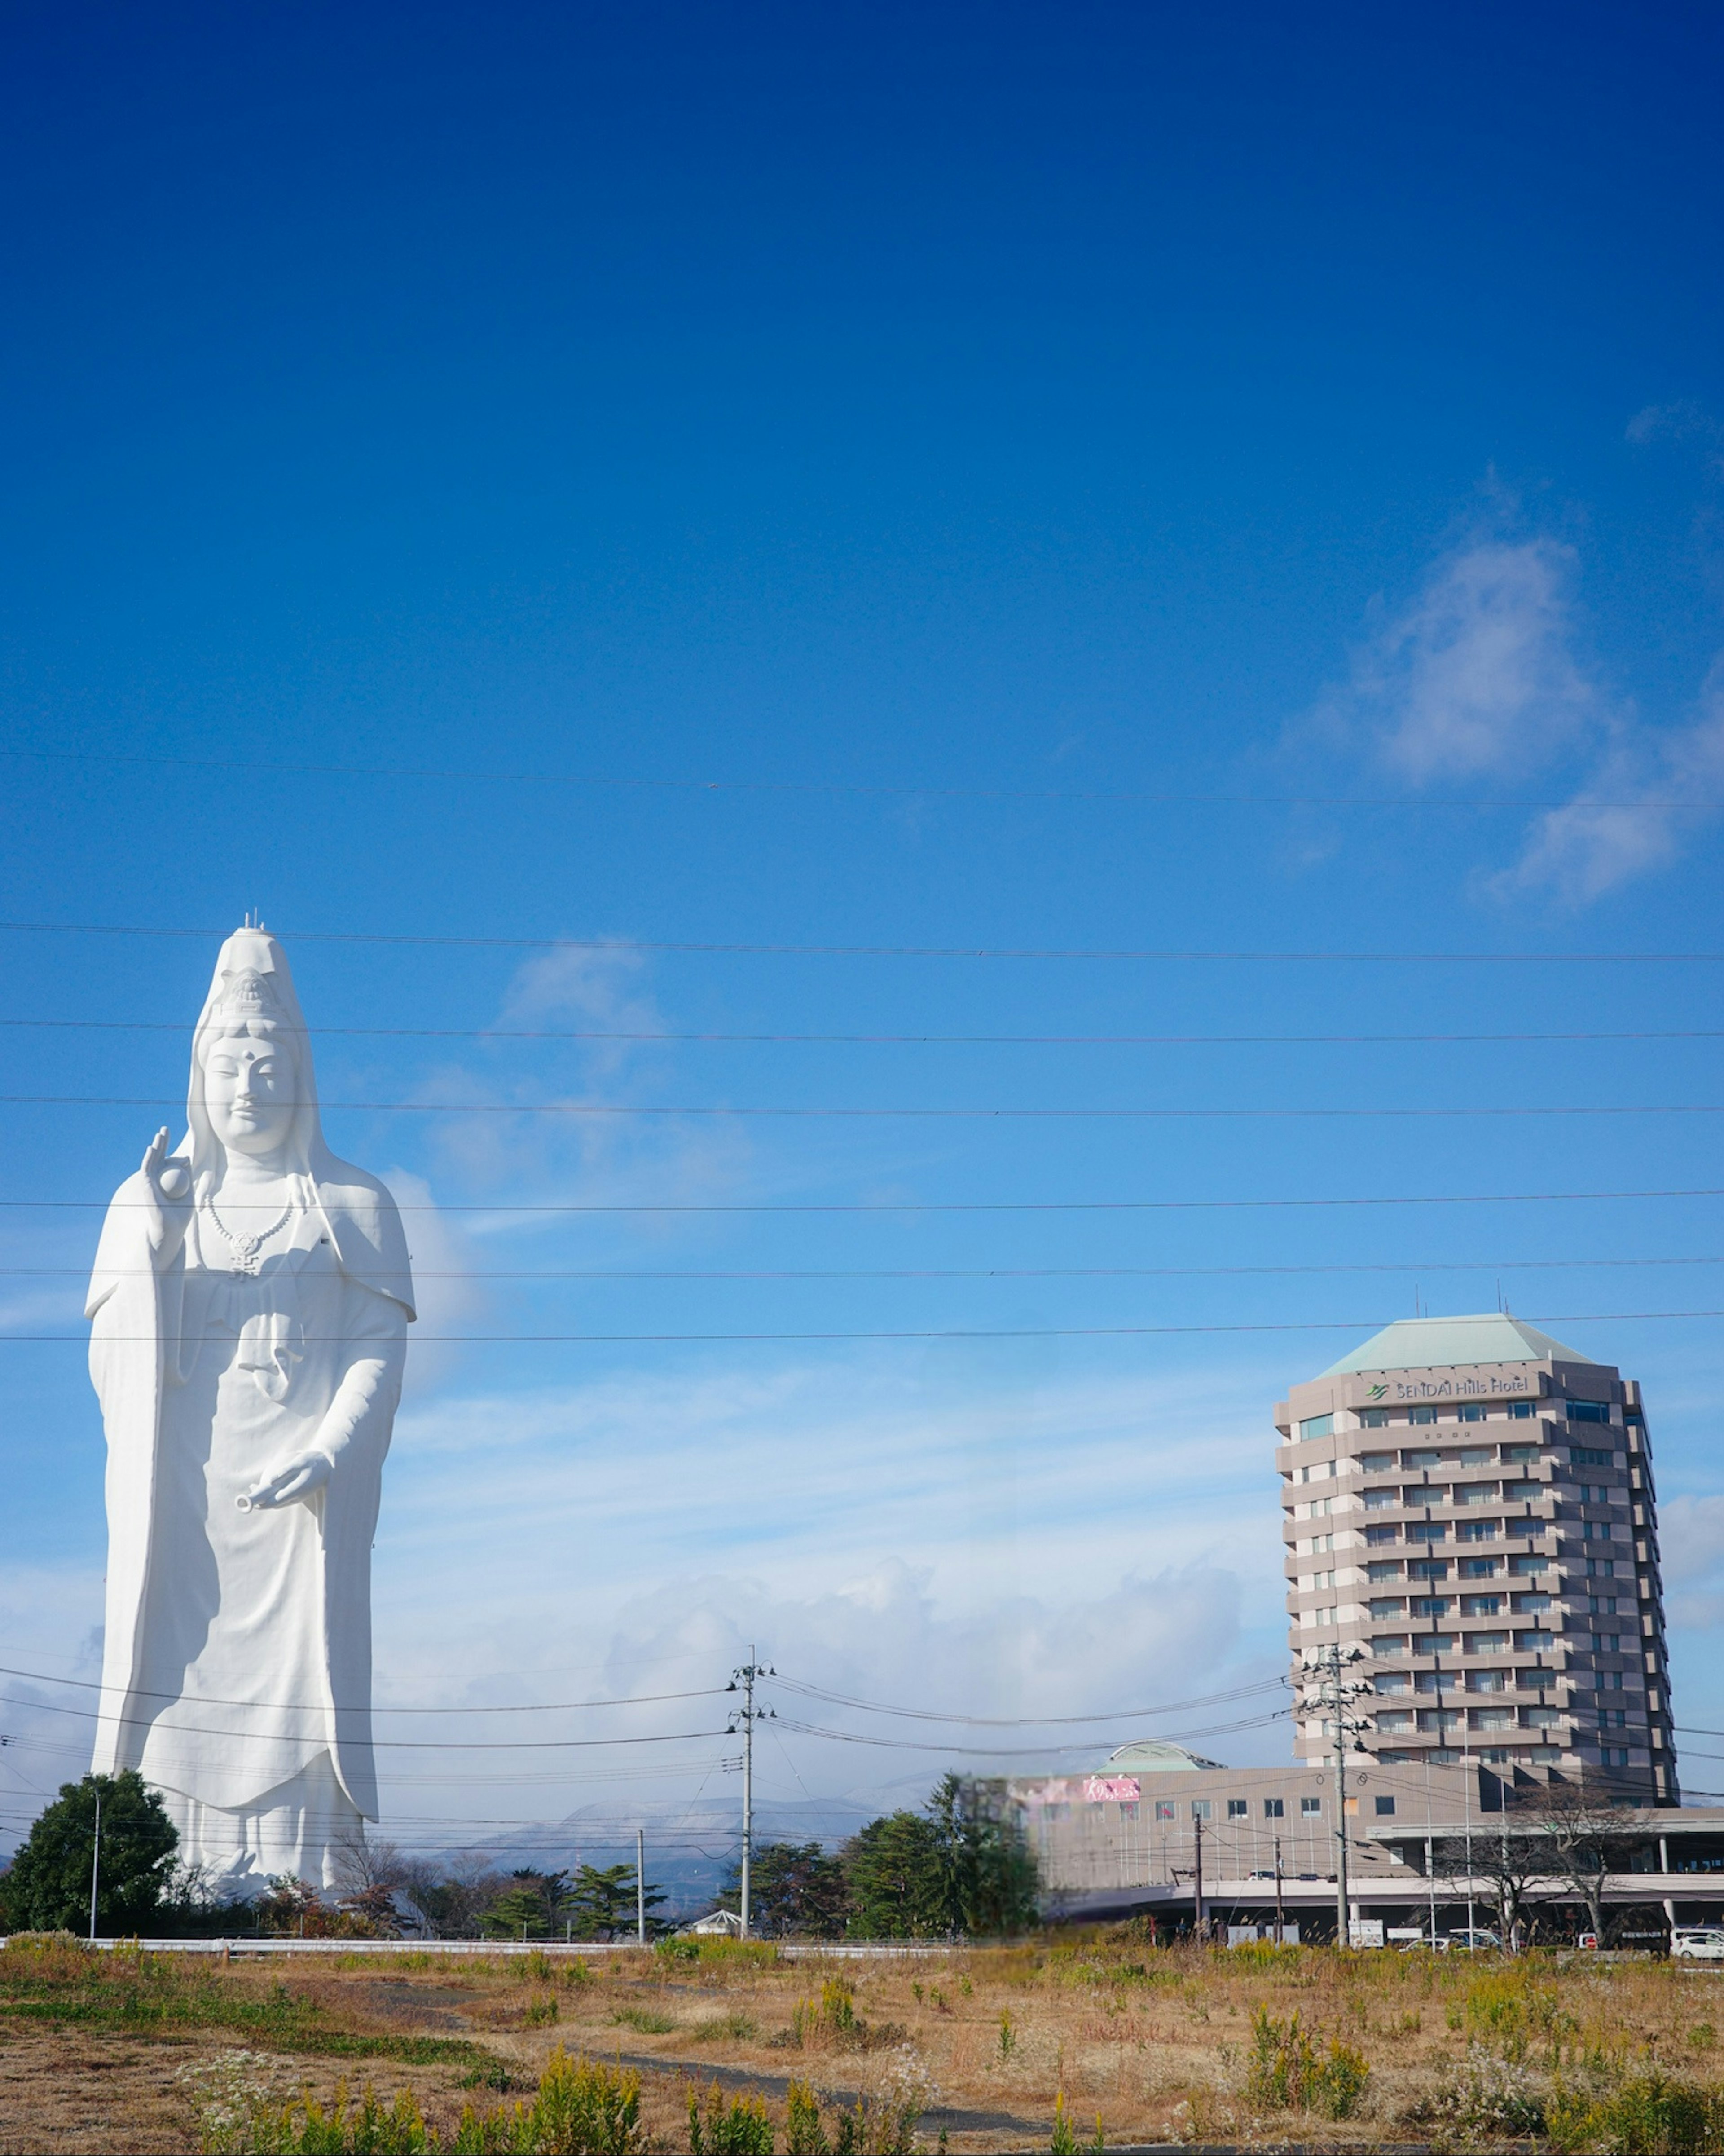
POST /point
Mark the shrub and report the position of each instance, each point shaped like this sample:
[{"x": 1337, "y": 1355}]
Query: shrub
[
  {"x": 734, "y": 2126},
  {"x": 1648, "y": 2115},
  {"x": 1287, "y": 2072},
  {"x": 830, "y": 2020}
]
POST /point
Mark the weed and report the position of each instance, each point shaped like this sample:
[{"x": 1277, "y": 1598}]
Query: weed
[
  {"x": 733, "y": 2126},
  {"x": 1008, "y": 2037},
  {"x": 734, "y": 2028},
  {"x": 643, "y": 2018},
  {"x": 1702, "y": 2036},
  {"x": 540, "y": 2012},
  {"x": 1287, "y": 2072}
]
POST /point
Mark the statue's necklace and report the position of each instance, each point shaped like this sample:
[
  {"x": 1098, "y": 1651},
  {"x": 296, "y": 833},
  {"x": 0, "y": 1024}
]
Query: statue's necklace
[{"x": 247, "y": 1248}]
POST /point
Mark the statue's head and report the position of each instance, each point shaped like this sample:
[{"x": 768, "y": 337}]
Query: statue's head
[{"x": 253, "y": 1090}]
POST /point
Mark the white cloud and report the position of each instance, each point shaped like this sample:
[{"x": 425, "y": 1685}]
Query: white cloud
[
  {"x": 1482, "y": 678},
  {"x": 1629, "y": 819},
  {"x": 1479, "y": 675},
  {"x": 1690, "y": 1531}
]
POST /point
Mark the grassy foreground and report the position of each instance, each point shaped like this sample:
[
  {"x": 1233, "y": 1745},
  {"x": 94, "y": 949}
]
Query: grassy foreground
[{"x": 729, "y": 2051}]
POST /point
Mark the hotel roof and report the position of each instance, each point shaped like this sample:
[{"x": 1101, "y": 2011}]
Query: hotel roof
[{"x": 1441, "y": 1343}]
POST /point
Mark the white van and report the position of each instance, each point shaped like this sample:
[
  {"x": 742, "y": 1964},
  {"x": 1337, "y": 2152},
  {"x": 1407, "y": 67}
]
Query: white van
[{"x": 1697, "y": 1942}]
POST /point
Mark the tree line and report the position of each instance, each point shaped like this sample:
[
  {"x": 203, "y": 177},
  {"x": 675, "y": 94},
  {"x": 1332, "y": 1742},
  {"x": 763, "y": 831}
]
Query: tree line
[{"x": 960, "y": 1867}]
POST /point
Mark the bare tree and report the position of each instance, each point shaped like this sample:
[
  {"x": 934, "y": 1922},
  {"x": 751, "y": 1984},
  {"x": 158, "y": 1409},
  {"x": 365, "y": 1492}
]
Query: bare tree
[
  {"x": 451, "y": 1897},
  {"x": 1584, "y": 1838},
  {"x": 1506, "y": 1865},
  {"x": 368, "y": 1876}
]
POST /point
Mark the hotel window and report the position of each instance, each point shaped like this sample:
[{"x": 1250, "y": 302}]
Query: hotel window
[
  {"x": 1322, "y": 1425},
  {"x": 1166, "y": 1809},
  {"x": 1520, "y": 1455},
  {"x": 1389, "y": 1569},
  {"x": 1476, "y": 1531},
  {"x": 1375, "y": 1463},
  {"x": 1477, "y": 1568},
  {"x": 1238, "y": 1807},
  {"x": 1374, "y": 1418},
  {"x": 1310, "y": 1808},
  {"x": 1422, "y": 1415},
  {"x": 1480, "y": 1606},
  {"x": 1588, "y": 1411},
  {"x": 1200, "y": 1808},
  {"x": 1273, "y": 1807},
  {"x": 1375, "y": 1537},
  {"x": 1589, "y": 1455},
  {"x": 1472, "y": 1412}
]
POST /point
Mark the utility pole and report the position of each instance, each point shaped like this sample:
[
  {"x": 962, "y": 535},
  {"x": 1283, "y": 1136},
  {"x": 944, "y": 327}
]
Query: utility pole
[
  {"x": 745, "y": 1718},
  {"x": 1338, "y": 1697},
  {"x": 640, "y": 1884},
  {"x": 1197, "y": 1880},
  {"x": 95, "y": 1859},
  {"x": 1280, "y": 1913}
]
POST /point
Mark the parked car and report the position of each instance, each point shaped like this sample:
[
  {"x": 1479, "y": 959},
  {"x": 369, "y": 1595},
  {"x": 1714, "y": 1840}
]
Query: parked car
[
  {"x": 1697, "y": 1942},
  {"x": 1477, "y": 1941}
]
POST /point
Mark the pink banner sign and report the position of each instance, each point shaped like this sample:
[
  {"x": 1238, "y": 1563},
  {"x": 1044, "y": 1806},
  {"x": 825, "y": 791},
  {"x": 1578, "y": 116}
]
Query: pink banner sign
[{"x": 1113, "y": 1788}]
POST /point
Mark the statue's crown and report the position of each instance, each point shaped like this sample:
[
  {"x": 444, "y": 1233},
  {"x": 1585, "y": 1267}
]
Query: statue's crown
[{"x": 248, "y": 994}]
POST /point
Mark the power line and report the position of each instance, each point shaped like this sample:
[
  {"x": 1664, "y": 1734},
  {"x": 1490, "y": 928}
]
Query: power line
[
  {"x": 860, "y": 789},
  {"x": 604, "y": 1109},
  {"x": 880, "y": 1039},
  {"x": 953, "y": 1272},
  {"x": 320, "y": 1706},
  {"x": 377, "y": 1743},
  {"x": 653, "y": 1699},
  {"x": 948, "y": 1333},
  {"x": 494, "y": 1209},
  {"x": 688, "y": 947},
  {"x": 1010, "y": 1752},
  {"x": 1028, "y": 1721}
]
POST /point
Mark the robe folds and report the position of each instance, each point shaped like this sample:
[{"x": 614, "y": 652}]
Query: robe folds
[{"x": 237, "y": 1646}]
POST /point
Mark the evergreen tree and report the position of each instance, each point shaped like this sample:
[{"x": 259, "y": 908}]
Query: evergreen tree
[
  {"x": 896, "y": 1873},
  {"x": 795, "y": 1891},
  {"x": 603, "y": 1903},
  {"x": 48, "y": 1887}
]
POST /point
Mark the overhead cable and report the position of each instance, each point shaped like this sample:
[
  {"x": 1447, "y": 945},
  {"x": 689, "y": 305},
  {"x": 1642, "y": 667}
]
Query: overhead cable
[
  {"x": 781, "y": 1112},
  {"x": 500, "y": 1207},
  {"x": 948, "y": 1272},
  {"x": 641, "y": 1037},
  {"x": 907, "y": 1332},
  {"x": 318, "y": 1707},
  {"x": 685, "y": 947},
  {"x": 899, "y": 790}
]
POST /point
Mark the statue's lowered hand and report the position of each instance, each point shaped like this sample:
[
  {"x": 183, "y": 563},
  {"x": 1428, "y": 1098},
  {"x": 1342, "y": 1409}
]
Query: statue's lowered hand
[
  {"x": 167, "y": 1207},
  {"x": 299, "y": 1477}
]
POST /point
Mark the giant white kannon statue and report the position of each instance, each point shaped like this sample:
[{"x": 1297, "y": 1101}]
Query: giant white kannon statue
[{"x": 249, "y": 1311}]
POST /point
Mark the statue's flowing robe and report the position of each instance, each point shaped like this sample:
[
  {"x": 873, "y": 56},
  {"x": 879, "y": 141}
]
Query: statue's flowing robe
[{"x": 232, "y": 1374}]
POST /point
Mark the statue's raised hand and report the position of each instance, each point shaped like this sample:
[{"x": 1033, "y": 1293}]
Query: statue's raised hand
[{"x": 168, "y": 1201}]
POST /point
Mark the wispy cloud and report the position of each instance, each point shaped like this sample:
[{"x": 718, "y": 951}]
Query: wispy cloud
[
  {"x": 1478, "y": 676},
  {"x": 1650, "y": 794},
  {"x": 1482, "y": 683}
]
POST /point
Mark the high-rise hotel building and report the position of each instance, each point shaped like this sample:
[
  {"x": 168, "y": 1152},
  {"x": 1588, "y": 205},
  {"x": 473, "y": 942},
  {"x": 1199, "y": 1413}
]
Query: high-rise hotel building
[{"x": 1469, "y": 1505}]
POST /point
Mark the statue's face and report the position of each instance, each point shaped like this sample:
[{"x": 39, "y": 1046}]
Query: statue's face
[{"x": 249, "y": 1089}]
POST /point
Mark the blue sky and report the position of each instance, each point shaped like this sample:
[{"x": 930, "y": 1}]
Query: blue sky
[{"x": 882, "y": 480}]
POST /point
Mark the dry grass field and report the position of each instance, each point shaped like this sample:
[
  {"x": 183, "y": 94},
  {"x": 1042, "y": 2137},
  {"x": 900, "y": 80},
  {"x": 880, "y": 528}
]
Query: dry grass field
[{"x": 124, "y": 2052}]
